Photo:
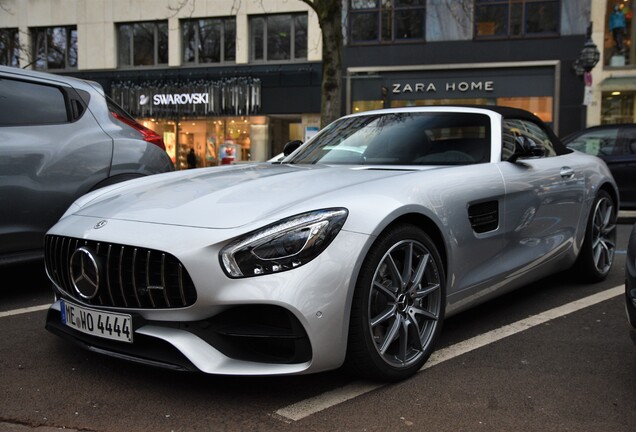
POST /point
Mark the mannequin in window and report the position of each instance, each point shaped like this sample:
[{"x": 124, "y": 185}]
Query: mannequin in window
[{"x": 617, "y": 26}]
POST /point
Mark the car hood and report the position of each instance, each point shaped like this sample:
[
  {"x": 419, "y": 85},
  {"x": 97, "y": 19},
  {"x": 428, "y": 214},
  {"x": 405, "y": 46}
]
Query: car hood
[{"x": 224, "y": 197}]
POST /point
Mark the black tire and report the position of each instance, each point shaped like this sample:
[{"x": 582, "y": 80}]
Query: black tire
[
  {"x": 597, "y": 252},
  {"x": 398, "y": 306}
]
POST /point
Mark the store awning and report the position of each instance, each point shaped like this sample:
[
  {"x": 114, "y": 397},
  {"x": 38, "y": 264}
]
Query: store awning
[{"x": 618, "y": 84}]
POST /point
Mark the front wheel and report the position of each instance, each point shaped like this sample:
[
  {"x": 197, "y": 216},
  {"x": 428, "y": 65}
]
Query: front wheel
[
  {"x": 398, "y": 305},
  {"x": 597, "y": 252}
]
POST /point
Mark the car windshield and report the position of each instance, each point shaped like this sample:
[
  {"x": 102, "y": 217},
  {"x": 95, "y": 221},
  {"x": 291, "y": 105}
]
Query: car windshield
[{"x": 405, "y": 138}]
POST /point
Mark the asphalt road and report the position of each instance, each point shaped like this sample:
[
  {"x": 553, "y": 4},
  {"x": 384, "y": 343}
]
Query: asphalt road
[{"x": 552, "y": 356}]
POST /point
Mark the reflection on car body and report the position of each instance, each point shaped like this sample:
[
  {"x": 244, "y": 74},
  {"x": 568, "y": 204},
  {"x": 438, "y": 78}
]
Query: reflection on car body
[
  {"x": 323, "y": 261},
  {"x": 630, "y": 284}
]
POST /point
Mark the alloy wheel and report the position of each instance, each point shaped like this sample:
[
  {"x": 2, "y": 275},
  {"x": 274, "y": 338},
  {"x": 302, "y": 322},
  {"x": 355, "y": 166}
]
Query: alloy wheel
[{"x": 404, "y": 303}]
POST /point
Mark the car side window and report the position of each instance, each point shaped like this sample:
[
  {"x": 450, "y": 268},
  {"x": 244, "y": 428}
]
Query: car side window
[
  {"x": 601, "y": 142},
  {"x": 27, "y": 103},
  {"x": 513, "y": 128},
  {"x": 630, "y": 139}
]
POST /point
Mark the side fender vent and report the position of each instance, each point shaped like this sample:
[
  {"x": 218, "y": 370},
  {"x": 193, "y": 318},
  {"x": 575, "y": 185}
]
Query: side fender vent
[{"x": 484, "y": 216}]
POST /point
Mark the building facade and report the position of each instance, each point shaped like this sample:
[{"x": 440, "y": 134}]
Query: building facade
[
  {"x": 505, "y": 52},
  {"x": 613, "y": 96},
  {"x": 235, "y": 80}
]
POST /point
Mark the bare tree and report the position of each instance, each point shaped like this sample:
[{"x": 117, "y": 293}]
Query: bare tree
[{"x": 329, "y": 14}]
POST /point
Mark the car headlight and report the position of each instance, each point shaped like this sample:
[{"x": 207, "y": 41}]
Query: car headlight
[{"x": 283, "y": 245}]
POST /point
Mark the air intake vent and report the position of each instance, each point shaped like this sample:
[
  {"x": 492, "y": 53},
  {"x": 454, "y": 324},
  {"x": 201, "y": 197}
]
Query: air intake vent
[{"x": 484, "y": 216}]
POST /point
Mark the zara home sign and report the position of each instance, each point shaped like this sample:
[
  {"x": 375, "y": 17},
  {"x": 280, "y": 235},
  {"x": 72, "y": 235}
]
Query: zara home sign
[{"x": 450, "y": 87}]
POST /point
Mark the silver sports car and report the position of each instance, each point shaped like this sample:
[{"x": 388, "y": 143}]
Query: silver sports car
[{"x": 351, "y": 251}]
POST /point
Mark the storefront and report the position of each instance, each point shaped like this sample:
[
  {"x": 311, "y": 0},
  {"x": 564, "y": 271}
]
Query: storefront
[
  {"x": 215, "y": 120},
  {"x": 532, "y": 86},
  {"x": 226, "y": 115}
]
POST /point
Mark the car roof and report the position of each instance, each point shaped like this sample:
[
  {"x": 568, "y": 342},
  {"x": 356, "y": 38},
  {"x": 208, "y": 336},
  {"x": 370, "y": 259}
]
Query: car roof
[
  {"x": 51, "y": 77},
  {"x": 505, "y": 111}
]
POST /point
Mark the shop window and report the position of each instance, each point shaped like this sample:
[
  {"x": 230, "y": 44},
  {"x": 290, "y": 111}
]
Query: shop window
[
  {"x": 142, "y": 44},
  {"x": 9, "y": 47},
  {"x": 618, "y": 48},
  {"x": 278, "y": 37},
  {"x": 210, "y": 40},
  {"x": 214, "y": 141},
  {"x": 382, "y": 21},
  {"x": 54, "y": 47},
  {"x": 367, "y": 105},
  {"x": 541, "y": 106},
  {"x": 618, "y": 107},
  {"x": 516, "y": 18}
]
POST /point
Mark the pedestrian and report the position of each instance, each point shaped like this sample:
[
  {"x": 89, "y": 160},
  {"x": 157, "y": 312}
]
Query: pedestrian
[{"x": 192, "y": 159}]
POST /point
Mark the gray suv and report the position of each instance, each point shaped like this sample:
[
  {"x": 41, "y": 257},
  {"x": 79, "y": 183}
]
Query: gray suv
[{"x": 60, "y": 138}]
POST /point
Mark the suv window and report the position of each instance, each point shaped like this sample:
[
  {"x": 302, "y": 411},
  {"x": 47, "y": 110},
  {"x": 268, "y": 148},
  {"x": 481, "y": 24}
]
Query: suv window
[
  {"x": 27, "y": 103},
  {"x": 601, "y": 142}
]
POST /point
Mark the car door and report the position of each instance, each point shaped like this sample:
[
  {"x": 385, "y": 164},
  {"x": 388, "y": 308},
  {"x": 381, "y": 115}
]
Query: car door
[
  {"x": 51, "y": 152},
  {"x": 543, "y": 204},
  {"x": 622, "y": 164}
]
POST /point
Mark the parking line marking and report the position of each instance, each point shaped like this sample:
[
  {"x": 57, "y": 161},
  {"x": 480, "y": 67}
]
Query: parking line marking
[
  {"x": 299, "y": 410},
  {"x": 24, "y": 310}
]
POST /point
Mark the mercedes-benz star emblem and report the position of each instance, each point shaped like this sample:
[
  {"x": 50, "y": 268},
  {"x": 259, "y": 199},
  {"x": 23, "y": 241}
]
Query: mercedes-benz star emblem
[
  {"x": 84, "y": 273},
  {"x": 100, "y": 224}
]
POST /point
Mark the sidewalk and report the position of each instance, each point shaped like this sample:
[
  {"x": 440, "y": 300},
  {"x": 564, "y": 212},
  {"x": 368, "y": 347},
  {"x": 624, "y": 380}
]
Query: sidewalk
[
  {"x": 12, "y": 427},
  {"x": 627, "y": 216}
]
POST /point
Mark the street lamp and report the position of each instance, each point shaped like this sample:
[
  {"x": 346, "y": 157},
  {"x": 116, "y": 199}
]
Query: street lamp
[{"x": 589, "y": 56}]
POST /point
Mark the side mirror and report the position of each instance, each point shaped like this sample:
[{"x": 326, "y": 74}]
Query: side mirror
[
  {"x": 526, "y": 147},
  {"x": 291, "y": 146}
]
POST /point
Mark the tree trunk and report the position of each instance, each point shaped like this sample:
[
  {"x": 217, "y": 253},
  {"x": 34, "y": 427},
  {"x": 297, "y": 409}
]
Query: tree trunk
[{"x": 330, "y": 17}]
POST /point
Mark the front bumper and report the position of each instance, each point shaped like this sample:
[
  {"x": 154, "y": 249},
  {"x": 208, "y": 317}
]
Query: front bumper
[
  {"x": 293, "y": 322},
  {"x": 242, "y": 340},
  {"x": 630, "y": 309}
]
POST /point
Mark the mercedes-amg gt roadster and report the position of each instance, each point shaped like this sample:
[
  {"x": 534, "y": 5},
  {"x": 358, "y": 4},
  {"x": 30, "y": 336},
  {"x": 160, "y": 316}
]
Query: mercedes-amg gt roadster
[{"x": 350, "y": 252}]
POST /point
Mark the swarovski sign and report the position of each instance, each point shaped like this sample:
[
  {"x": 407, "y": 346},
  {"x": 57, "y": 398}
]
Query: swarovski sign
[
  {"x": 175, "y": 99},
  {"x": 189, "y": 98}
]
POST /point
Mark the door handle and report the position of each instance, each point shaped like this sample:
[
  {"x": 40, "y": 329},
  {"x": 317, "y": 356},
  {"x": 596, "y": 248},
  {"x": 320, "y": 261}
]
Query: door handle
[{"x": 567, "y": 173}]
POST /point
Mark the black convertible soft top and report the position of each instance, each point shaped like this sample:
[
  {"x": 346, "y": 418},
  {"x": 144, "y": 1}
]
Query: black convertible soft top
[{"x": 521, "y": 114}]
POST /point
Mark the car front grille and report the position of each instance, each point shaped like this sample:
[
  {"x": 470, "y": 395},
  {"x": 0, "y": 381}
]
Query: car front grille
[{"x": 123, "y": 276}]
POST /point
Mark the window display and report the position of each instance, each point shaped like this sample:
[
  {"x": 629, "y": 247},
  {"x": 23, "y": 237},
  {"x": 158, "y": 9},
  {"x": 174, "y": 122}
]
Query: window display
[
  {"x": 202, "y": 142},
  {"x": 618, "y": 47}
]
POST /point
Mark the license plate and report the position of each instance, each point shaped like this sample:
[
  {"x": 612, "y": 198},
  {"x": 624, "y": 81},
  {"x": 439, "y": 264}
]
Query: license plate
[{"x": 102, "y": 324}]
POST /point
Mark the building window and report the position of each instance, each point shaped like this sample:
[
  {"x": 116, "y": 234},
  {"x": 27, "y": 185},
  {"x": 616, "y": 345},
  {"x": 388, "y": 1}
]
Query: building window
[
  {"x": 378, "y": 21},
  {"x": 142, "y": 44},
  {"x": 516, "y": 18},
  {"x": 210, "y": 40},
  {"x": 9, "y": 47},
  {"x": 54, "y": 47},
  {"x": 618, "y": 48},
  {"x": 278, "y": 37},
  {"x": 618, "y": 107}
]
